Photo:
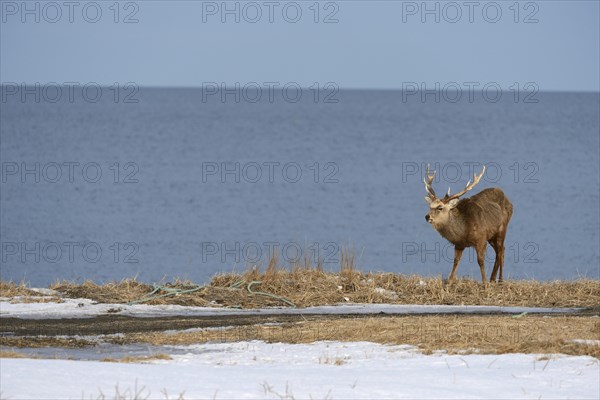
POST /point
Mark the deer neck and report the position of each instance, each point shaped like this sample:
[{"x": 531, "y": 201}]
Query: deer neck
[{"x": 455, "y": 229}]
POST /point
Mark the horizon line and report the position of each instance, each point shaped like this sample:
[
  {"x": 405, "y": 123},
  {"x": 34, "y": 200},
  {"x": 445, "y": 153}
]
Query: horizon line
[{"x": 398, "y": 89}]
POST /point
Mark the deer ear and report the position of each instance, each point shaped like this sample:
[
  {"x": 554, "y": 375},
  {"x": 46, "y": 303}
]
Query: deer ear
[
  {"x": 428, "y": 199},
  {"x": 452, "y": 203}
]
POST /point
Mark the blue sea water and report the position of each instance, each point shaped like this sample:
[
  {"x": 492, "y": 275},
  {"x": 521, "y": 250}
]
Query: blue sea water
[{"x": 177, "y": 185}]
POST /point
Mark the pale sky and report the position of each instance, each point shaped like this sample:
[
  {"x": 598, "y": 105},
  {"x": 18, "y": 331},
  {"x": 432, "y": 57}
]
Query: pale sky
[{"x": 365, "y": 44}]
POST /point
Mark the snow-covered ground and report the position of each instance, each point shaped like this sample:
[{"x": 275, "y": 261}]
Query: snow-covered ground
[
  {"x": 85, "y": 308},
  {"x": 318, "y": 370},
  {"x": 291, "y": 371}
]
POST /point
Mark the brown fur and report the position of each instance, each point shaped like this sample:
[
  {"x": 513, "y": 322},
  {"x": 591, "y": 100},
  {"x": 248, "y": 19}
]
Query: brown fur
[{"x": 474, "y": 222}]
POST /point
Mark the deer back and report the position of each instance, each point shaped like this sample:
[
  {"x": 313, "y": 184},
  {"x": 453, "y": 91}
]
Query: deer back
[{"x": 484, "y": 214}]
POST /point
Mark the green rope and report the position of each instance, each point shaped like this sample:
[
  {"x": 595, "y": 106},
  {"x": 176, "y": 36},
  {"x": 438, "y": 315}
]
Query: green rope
[
  {"x": 174, "y": 292},
  {"x": 237, "y": 284},
  {"x": 249, "y": 287},
  {"x": 170, "y": 292}
]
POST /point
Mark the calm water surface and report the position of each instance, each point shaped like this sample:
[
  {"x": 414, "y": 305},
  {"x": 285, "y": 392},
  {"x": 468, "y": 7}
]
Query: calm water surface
[{"x": 174, "y": 186}]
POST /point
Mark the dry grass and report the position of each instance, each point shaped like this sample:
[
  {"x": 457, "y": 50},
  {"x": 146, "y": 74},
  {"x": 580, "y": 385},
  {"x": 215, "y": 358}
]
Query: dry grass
[
  {"x": 307, "y": 286},
  {"x": 115, "y": 292},
  {"x": 137, "y": 393},
  {"x": 45, "y": 341},
  {"x": 455, "y": 334},
  {"x": 11, "y": 289},
  {"x": 138, "y": 359},
  {"x": 12, "y": 354},
  {"x": 312, "y": 287},
  {"x": 22, "y": 294},
  {"x": 130, "y": 290}
]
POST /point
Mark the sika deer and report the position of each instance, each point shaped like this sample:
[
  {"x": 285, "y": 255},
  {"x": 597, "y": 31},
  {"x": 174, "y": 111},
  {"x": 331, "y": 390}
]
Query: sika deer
[{"x": 474, "y": 221}]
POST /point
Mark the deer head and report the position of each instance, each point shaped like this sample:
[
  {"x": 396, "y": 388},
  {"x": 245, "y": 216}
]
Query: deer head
[{"x": 439, "y": 209}]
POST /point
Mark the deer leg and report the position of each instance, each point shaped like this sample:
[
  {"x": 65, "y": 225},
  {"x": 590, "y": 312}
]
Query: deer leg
[
  {"x": 457, "y": 255},
  {"x": 500, "y": 256},
  {"x": 494, "y": 244},
  {"x": 499, "y": 248},
  {"x": 480, "y": 249}
]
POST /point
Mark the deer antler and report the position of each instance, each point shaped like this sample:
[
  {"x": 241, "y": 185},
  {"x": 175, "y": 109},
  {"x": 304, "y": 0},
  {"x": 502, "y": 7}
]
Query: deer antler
[
  {"x": 469, "y": 186},
  {"x": 428, "y": 183}
]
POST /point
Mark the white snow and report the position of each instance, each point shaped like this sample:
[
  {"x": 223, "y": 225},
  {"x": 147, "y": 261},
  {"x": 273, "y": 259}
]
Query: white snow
[
  {"x": 293, "y": 371},
  {"x": 85, "y": 308},
  {"x": 256, "y": 370}
]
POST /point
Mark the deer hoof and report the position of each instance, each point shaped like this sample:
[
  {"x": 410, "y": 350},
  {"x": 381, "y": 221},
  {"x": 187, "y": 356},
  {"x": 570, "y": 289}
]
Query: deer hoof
[{"x": 449, "y": 281}]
